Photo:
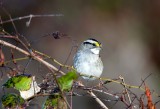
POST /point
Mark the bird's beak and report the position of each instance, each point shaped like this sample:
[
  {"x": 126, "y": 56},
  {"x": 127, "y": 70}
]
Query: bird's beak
[{"x": 100, "y": 45}]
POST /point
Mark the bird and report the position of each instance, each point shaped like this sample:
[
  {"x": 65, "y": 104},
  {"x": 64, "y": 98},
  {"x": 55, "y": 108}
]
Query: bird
[{"x": 87, "y": 60}]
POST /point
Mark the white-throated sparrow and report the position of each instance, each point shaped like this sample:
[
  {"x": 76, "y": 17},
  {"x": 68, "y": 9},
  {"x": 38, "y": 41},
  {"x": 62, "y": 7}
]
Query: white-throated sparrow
[{"x": 87, "y": 60}]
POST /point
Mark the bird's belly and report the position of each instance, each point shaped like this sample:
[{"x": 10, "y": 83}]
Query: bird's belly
[{"x": 87, "y": 69}]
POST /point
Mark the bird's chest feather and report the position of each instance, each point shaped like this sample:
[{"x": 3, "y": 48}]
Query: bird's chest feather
[{"x": 87, "y": 63}]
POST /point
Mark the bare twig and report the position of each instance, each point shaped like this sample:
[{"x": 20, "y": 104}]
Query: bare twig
[
  {"x": 98, "y": 100},
  {"x": 30, "y": 55},
  {"x": 30, "y": 16},
  {"x": 126, "y": 90},
  {"x": 10, "y": 19},
  {"x": 143, "y": 80}
]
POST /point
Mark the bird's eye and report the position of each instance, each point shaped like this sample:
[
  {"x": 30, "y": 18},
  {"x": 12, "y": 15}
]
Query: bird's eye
[{"x": 94, "y": 44}]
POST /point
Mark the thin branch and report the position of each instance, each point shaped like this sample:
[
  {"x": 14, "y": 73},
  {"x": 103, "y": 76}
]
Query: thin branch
[
  {"x": 30, "y": 55},
  {"x": 31, "y": 16},
  {"x": 102, "y": 91},
  {"x": 126, "y": 90},
  {"x": 98, "y": 100},
  {"x": 10, "y": 19},
  {"x": 143, "y": 80}
]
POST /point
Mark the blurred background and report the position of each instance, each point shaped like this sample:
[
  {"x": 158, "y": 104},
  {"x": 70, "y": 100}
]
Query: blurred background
[{"x": 129, "y": 31}]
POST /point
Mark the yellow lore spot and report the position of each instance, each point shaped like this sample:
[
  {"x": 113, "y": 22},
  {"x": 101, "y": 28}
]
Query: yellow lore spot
[{"x": 97, "y": 44}]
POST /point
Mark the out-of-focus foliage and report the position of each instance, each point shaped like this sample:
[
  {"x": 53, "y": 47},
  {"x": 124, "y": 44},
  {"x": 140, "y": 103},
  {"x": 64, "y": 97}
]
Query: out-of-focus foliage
[
  {"x": 12, "y": 100},
  {"x": 109, "y": 5},
  {"x": 55, "y": 102}
]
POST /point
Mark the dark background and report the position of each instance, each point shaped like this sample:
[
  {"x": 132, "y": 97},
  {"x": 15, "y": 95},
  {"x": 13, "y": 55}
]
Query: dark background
[{"x": 128, "y": 29}]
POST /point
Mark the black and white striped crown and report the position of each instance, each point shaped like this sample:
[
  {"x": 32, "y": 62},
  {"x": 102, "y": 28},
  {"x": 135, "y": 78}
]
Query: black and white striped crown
[{"x": 93, "y": 42}]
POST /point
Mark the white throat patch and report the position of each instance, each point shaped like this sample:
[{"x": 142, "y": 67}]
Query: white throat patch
[{"x": 95, "y": 50}]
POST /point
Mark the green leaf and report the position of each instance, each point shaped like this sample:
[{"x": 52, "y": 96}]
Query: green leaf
[
  {"x": 55, "y": 102},
  {"x": 51, "y": 101},
  {"x": 65, "y": 82},
  {"x": 19, "y": 82},
  {"x": 11, "y": 100}
]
